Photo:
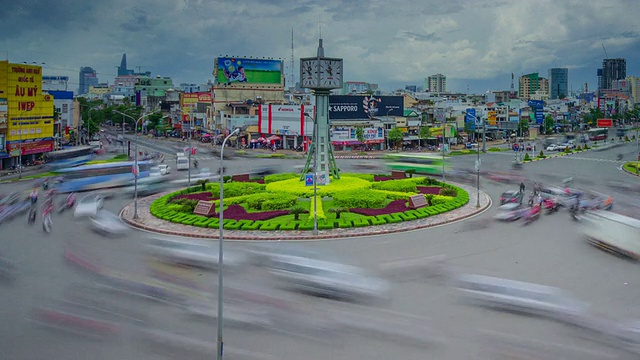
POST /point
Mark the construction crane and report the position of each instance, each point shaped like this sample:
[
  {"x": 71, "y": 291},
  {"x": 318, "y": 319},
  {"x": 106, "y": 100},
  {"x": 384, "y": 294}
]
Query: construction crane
[{"x": 605, "y": 52}]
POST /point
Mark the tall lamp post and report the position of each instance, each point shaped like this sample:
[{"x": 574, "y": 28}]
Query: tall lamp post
[
  {"x": 315, "y": 174},
  {"x": 220, "y": 247},
  {"x": 475, "y": 119},
  {"x": 135, "y": 160},
  {"x": 190, "y": 115}
]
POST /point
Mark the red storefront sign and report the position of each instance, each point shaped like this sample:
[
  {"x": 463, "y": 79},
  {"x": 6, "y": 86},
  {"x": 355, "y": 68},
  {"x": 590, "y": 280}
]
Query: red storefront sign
[
  {"x": 605, "y": 123},
  {"x": 32, "y": 147}
]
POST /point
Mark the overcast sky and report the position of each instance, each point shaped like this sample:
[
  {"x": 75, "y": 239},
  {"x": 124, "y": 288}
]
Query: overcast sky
[{"x": 474, "y": 43}]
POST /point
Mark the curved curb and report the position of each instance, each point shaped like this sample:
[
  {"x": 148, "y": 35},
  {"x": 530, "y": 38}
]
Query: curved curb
[
  {"x": 628, "y": 172},
  {"x": 278, "y": 237}
]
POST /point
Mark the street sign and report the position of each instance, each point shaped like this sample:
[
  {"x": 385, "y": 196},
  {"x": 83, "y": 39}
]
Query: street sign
[
  {"x": 308, "y": 179},
  {"x": 605, "y": 123},
  {"x": 515, "y": 147}
]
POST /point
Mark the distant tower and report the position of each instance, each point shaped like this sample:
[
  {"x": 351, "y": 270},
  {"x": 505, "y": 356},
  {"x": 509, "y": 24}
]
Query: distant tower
[
  {"x": 122, "y": 69},
  {"x": 512, "y": 86},
  {"x": 293, "y": 77}
]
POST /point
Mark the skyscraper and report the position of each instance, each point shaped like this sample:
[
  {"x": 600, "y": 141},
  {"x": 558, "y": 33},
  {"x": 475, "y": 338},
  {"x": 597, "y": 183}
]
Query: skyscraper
[
  {"x": 87, "y": 78},
  {"x": 612, "y": 69},
  {"x": 122, "y": 69},
  {"x": 436, "y": 83},
  {"x": 558, "y": 83}
]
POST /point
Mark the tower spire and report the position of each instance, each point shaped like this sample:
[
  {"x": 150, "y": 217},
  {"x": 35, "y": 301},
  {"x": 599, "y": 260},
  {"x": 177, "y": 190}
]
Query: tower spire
[{"x": 320, "y": 48}]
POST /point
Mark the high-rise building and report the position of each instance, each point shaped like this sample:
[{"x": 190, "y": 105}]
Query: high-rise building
[
  {"x": 436, "y": 83},
  {"x": 528, "y": 85},
  {"x": 612, "y": 69},
  {"x": 88, "y": 77},
  {"x": 634, "y": 84},
  {"x": 122, "y": 69},
  {"x": 558, "y": 83}
]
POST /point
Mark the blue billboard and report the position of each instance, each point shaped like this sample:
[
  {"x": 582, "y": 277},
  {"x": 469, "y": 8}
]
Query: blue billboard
[
  {"x": 470, "y": 118},
  {"x": 538, "y": 108}
]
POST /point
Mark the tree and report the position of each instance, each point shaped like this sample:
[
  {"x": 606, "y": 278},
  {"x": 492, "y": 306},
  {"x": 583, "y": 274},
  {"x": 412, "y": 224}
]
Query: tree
[
  {"x": 296, "y": 211},
  {"x": 425, "y": 133},
  {"x": 592, "y": 117},
  {"x": 338, "y": 211},
  {"x": 548, "y": 124},
  {"x": 360, "y": 134},
  {"x": 395, "y": 135},
  {"x": 523, "y": 126}
]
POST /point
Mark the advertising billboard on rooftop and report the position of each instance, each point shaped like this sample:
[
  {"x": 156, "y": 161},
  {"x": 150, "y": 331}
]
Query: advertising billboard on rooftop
[
  {"x": 237, "y": 71},
  {"x": 345, "y": 107}
]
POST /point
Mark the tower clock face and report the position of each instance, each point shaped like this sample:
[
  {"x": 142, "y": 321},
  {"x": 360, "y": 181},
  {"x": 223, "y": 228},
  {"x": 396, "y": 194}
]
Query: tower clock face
[
  {"x": 331, "y": 73},
  {"x": 309, "y": 73}
]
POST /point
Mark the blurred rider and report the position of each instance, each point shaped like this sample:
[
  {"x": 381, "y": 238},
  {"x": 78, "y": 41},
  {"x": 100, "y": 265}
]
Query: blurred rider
[{"x": 33, "y": 196}]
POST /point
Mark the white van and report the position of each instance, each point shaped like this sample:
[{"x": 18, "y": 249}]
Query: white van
[{"x": 182, "y": 163}]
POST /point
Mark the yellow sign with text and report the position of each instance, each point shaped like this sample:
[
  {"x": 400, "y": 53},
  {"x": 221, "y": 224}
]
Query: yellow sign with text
[
  {"x": 30, "y": 111},
  {"x": 492, "y": 117}
]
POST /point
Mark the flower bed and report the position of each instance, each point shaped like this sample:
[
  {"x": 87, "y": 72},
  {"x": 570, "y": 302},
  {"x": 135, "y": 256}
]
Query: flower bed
[{"x": 255, "y": 206}]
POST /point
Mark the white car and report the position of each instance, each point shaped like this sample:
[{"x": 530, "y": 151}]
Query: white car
[
  {"x": 554, "y": 147},
  {"x": 164, "y": 169},
  {"x": 89, "y": 206},
  {"x": 108, "y": 223}
]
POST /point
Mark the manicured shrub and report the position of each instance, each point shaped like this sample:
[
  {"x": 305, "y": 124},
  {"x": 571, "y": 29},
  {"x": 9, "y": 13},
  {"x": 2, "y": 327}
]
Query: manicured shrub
[
  {"x": 392, "y": 207},
  {"x": 255, "y": 201},
  {"x": 494, "y": 149},
  {"x": 279, "y": 177},
  {"x": 448, "y": 191},
  {"x": 233, "y": 189},
  {"x": 541, "y": 154},
  {"x": 394, "y": 195},
  {"x": 279, "y": 202},
  {"x": 368, "y": 177},
  {"x": 298, "y": 188},
  {"x": 318, "y": 205},
  {"x": 527, "y": 157},
  {"x": 405, "y": 185},
  {"x": 360, "y": 199},
  {"x": 296, "y": 211},
  {"x": 360, "y": 222},
  {"x": 289, "y": 226}
]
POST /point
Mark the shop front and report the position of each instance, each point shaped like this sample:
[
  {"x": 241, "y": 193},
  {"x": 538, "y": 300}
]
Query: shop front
[
  {"x": 31, "y": 150},
  {"x": 346, "y": 139}
]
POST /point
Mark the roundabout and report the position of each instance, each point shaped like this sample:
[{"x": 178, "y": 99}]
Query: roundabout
[{"x": 157, "y": 213}]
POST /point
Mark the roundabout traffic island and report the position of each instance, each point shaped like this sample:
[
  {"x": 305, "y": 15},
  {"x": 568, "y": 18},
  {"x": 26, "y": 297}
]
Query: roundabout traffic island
[
  {"x": 283, "y": 202},
  {"x": 281, "y": 206}
]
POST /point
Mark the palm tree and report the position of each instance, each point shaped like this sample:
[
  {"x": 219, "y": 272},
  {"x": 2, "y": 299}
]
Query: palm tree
[
  {"x": 296, "y": 211},
  {"x": 202, "y": 183},
  {"x": 338, "y": 211}
]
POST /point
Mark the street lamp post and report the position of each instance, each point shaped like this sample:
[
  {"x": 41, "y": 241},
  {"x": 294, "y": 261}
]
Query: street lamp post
[
  {"x": 219, "y": 348},
  {"x": 475, "y": 119},
  {"x": 190, "y": 115},
  {"x": 135, "y": 160},
  {"x": 315, "y": 174}
]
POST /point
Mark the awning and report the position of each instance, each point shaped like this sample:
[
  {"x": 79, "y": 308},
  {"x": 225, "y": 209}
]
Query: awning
[{"x": 274, "y": 138}]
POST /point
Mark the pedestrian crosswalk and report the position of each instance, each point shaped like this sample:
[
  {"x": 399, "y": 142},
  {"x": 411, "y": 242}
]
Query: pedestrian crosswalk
[{"x": 589, "y": 159}]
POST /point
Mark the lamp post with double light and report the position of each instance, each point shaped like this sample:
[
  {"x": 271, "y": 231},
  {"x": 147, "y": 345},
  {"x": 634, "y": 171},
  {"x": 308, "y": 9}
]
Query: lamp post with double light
[
  {"x": 478, "y": 161},
  {"x": 190, "y": 115},
  {"x": 135, "y": 159},
  {"x": 220, "y": 246}
]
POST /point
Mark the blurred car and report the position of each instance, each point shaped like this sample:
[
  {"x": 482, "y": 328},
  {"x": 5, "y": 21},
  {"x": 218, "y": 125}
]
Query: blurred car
[
  {"x": 510, "y": 212},
  {"x": 512, "y": 196},
  {"x": 263, "y": 171},
  {"x": 366, "y": 165},
  {"x": 89, "y": 206},
  {"x": 504, "y": 177},
  {"x": 198, "y": 256},
  {"x": 164, "y": 169},
  {"x": 523, "y": 297},
  {"x": 106, "y": 222},
  {"x": 328, "y": 279},
  {"x": 554, "y": 147}
]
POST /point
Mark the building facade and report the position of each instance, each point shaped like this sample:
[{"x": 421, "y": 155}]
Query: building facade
[
  {"x": 63, "y": 105},
  {"x": 634, "y": 85},
  {"x": 26, "y": 114},
  {"x": 531, "y": 85},
  {"x": 87, "y": 77},
  {"x": 558, "y": 83},
  {"x": 55, "y": 83},
  {"x": 436, "y": 83},
  {"x": 612, "y": 69}
]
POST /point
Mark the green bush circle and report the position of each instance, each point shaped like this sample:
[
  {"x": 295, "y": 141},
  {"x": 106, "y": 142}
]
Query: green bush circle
[{"x": 284, "y": 191}]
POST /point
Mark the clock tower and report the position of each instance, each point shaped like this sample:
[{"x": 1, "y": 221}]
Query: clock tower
[{"x": 321, "y": 74}]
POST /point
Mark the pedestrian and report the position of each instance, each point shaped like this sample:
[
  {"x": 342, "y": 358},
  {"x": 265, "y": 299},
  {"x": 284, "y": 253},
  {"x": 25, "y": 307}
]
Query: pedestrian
[{"x": 522, "y": 187}]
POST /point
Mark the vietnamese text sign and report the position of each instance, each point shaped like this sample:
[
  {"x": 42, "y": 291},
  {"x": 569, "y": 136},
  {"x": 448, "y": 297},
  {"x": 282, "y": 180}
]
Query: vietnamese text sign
[
  {"x": 31, "y": 147},
  {"x": 605, "y": 122}
]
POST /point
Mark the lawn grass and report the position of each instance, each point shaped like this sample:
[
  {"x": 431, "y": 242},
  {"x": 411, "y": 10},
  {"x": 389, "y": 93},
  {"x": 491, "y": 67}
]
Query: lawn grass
[{"x": 631, "y": 166}]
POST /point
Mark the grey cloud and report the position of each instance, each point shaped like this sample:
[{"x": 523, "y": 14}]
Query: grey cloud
[
  {"x": 138, "y": 21},
  {"x": 420, "y": 37}
]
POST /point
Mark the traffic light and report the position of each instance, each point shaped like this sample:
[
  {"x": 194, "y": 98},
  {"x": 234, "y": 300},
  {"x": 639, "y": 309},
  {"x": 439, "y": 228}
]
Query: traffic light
[{"x": 66, "y": 130}]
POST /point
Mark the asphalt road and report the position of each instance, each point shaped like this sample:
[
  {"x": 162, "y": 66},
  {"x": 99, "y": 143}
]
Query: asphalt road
[{"x": 548, "y": 251}]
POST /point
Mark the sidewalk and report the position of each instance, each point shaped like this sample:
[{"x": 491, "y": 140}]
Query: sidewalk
[{"x": 150, "y": 223}]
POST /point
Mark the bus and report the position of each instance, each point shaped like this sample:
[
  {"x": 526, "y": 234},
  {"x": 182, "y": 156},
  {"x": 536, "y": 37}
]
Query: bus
[
  {"x": 100, "y": 176},
  {"x": 73, "y": 156},
  {"x": 420, "y": 163},
  {"x": 598, "y": 134}
]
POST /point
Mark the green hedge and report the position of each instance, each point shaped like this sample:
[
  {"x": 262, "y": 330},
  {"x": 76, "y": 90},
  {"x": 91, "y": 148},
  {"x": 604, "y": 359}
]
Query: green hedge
[
  {"x": 279, "y": 202},
  {"x": 405, "y": 185},
  {"x": 279, "y": 177},
  {"x": 368, "y": 177},
  {"x": 361, "y": 199}
]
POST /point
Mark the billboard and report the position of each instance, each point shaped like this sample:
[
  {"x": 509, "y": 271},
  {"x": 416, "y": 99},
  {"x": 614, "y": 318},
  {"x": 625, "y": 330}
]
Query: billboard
[
  {"x": 602, "y": 123},
  {"x": 347, "y": 135},
  {"x": 34, "y": 146},
  {"x": 470, "y": 118},
  {"x": 345, "y": 107},
  {"x": 285, "y": 120},
  {"x": 188, "y": 101},
  {"x": 538, "y": 108},
  {"x": 230, "y": 70},
  {"x": 492, "y": 118}
]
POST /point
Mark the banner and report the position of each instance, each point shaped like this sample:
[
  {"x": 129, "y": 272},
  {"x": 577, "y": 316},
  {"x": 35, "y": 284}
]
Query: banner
[
  {"x": 345, "y": 107},
  {"x": 492, "y": 117},
  {"x": 31, "y": 147},
  {"x": 470, "y": 118},
  {"x": 239, "y": 71}
]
